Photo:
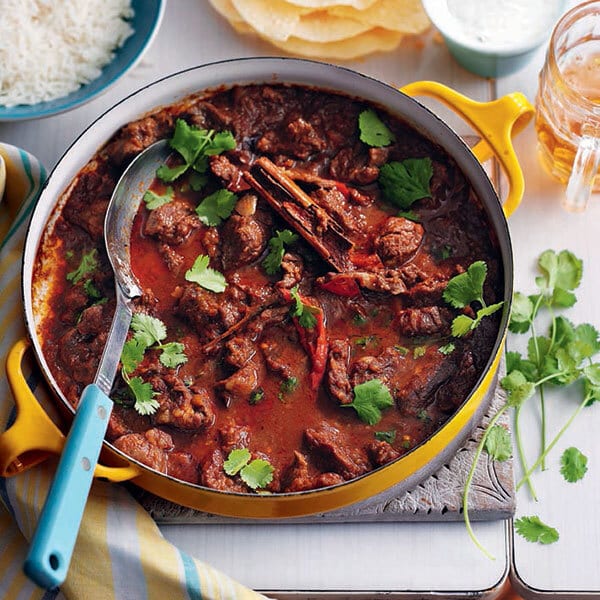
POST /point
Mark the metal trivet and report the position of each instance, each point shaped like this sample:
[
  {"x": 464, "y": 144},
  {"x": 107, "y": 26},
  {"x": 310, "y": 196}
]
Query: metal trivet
[{"x": 437, "y": 498}]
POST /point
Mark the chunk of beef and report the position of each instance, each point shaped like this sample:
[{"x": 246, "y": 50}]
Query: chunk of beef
[
  {"x": 74, "y": 301},
  {"x": 274, "y": 361},
  {"x": 430, "y": 320},
  {"x": 136, "y": 136},
  {"x": 150, "y": 448},
  {"x": 338, "y": 454},
  {"x": 182, "y": 466},
  {"x": 297, "y": 477},
  {"x": 398, "y": 240},
  {"x": 172, "y": 258},
  {"x": 93, "y": 321},
  {"x": 450, "y": 395},
  {"x": 244, "y": 239},
  {"x": 179, "y": 406},
  {"x": 89, "y": 199},
  {"x": 210, "y": 314},
  {"x": 213, "y": 476},
  {"x": 381, "y": 452},
  {"x": 354, "y": 165},
  {"x": 336, "y": 205},
  {"x": 79, "y": 354},
  {"x": 387, "y": 281},
  {"x": 206, "y": 115},
  {"x": 211, "y": 243},
  {"x": 239, "y": 386},
  {"x": 234, "y": 437},
  {"x": 239, "y": 350},
  {"x": 230, "y": 174},
  {"x": 427, "y": 374},
  {"x": 299, "y": 139},
  {"x": 292, "y": 267},
  {"x": 337, "y": 381},
  {"x": 425, "y": 293},
  {"x": 386, "y": 366},
  {"x": 172, "y": 222}
]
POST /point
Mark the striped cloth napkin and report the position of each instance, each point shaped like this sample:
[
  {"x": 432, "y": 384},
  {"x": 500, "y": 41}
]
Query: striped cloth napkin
[{"x": 120, "y": 552}]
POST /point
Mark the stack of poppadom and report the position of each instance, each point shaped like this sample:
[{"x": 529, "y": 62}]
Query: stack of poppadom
[{"x": 334, "y": 29}]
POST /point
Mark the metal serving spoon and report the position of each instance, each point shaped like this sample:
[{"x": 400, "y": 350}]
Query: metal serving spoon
[{"x": 52, "y": 545}]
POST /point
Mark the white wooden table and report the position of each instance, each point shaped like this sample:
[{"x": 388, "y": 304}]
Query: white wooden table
[{"x": 406, "y": 559}]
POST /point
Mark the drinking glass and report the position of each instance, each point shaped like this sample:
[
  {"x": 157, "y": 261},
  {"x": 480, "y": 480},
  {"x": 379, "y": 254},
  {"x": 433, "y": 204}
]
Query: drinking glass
[{"x": 568, "y": 104}]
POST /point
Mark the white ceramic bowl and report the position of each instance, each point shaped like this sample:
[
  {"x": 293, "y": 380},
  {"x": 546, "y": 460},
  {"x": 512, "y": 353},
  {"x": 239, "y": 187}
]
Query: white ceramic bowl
[
  {"x": 145, "y": 22},
  {"x": 489, "y": 58}
]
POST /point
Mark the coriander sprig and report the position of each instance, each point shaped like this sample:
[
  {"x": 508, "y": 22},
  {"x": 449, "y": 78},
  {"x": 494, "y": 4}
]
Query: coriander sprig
[
  {"x": 148, "y": 333},
  {"x": 194, "y": 145},
  {"x": 465, "y": 289},
  {"x": 563, "y": 357}
]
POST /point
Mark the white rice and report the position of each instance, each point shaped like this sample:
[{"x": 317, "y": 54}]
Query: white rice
[{"x": 49, "y": 48}]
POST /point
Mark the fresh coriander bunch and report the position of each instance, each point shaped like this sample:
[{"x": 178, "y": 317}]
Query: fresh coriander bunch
[{"x": 562, "y": 357}]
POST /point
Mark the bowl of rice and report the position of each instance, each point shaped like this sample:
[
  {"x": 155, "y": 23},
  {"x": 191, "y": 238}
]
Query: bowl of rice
[{"x": 56, "y": 56}]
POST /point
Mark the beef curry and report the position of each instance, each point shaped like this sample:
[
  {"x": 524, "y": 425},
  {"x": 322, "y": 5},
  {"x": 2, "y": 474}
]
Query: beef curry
[{"x": 294, "y": 253}]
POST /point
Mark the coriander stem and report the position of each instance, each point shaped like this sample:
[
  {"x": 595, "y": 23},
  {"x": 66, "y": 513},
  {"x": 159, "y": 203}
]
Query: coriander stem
[
  {"x": 469, "y": 480},
  {"x": 554, "y": 441},
  {"x": 543, "y": 416},
  {"x": 522, "y": 458}
]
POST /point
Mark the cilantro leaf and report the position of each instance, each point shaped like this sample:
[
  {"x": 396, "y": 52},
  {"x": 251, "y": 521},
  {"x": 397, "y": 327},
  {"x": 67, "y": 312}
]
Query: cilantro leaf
[
  {"x": 447, "y": 348},
  {"x": 145, "y": 403},
  {"x": 236, "y": 461},
  {"x": 173, "y": 355},
  {"x": 188, "y": 140},
  {"x": 257, "y": 474},
  {"x": 560, "y": 273},
  {"x": 573, "y": 464},
  {"x": 194, "y": 145},
  {"x": 221, "y": 142},
  {"x": 216, "y": 207},
  {"x": 466, "y": 287},
  {"x": 154, "y": 200},
  {"x": 410, "y": 215},
  {"x": 303, "y": 312},
  {"x": 132, "y": 355},
  {"x": 170, "y": 174},
  {"x": 272, "y": 262},
  {"x": 515, "y": 362},
  {"x": 403, "y": 183},
  {"x": 370, "y": 398},
  {"x": 148, "y": 330},
  {"x": 87, "y": 265},
  {"x": 206, "y": 277},
  {"x": 498, "y": 443},
  {"x": 534, "y": 530},
  {"x": 461, "y": 325},
  {"x": 386, "y": 436},
  {"x": 91, "y": 290},
  {"x": 198, "y": 181},
  {"x": 373, "y": 131},
  {"x": 521, "y": 313},
  {"x": 518, "y": 388}
]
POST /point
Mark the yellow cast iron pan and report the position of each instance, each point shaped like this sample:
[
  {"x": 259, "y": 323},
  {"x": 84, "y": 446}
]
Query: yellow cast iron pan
[{"x": 34, "y": 436}]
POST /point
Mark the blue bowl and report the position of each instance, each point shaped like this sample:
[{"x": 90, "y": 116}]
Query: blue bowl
[{"x": 145, "y": 23}]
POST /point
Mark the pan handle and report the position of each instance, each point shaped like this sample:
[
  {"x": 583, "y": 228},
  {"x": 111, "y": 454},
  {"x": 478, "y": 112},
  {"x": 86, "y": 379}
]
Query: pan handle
[
  {"x": 33, "y": 437},
  {"x": 496, "y": 122}
]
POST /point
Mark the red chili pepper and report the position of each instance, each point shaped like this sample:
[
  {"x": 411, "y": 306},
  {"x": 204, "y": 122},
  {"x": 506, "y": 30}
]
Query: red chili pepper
[
  {"x": 314, "y": 341},
  {"x": 341, "y": 187},
  {"x": 342, "y": 285}
]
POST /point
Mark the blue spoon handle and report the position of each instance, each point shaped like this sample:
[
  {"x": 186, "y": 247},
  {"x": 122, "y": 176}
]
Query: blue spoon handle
[{"x": 52, "y": 546}]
